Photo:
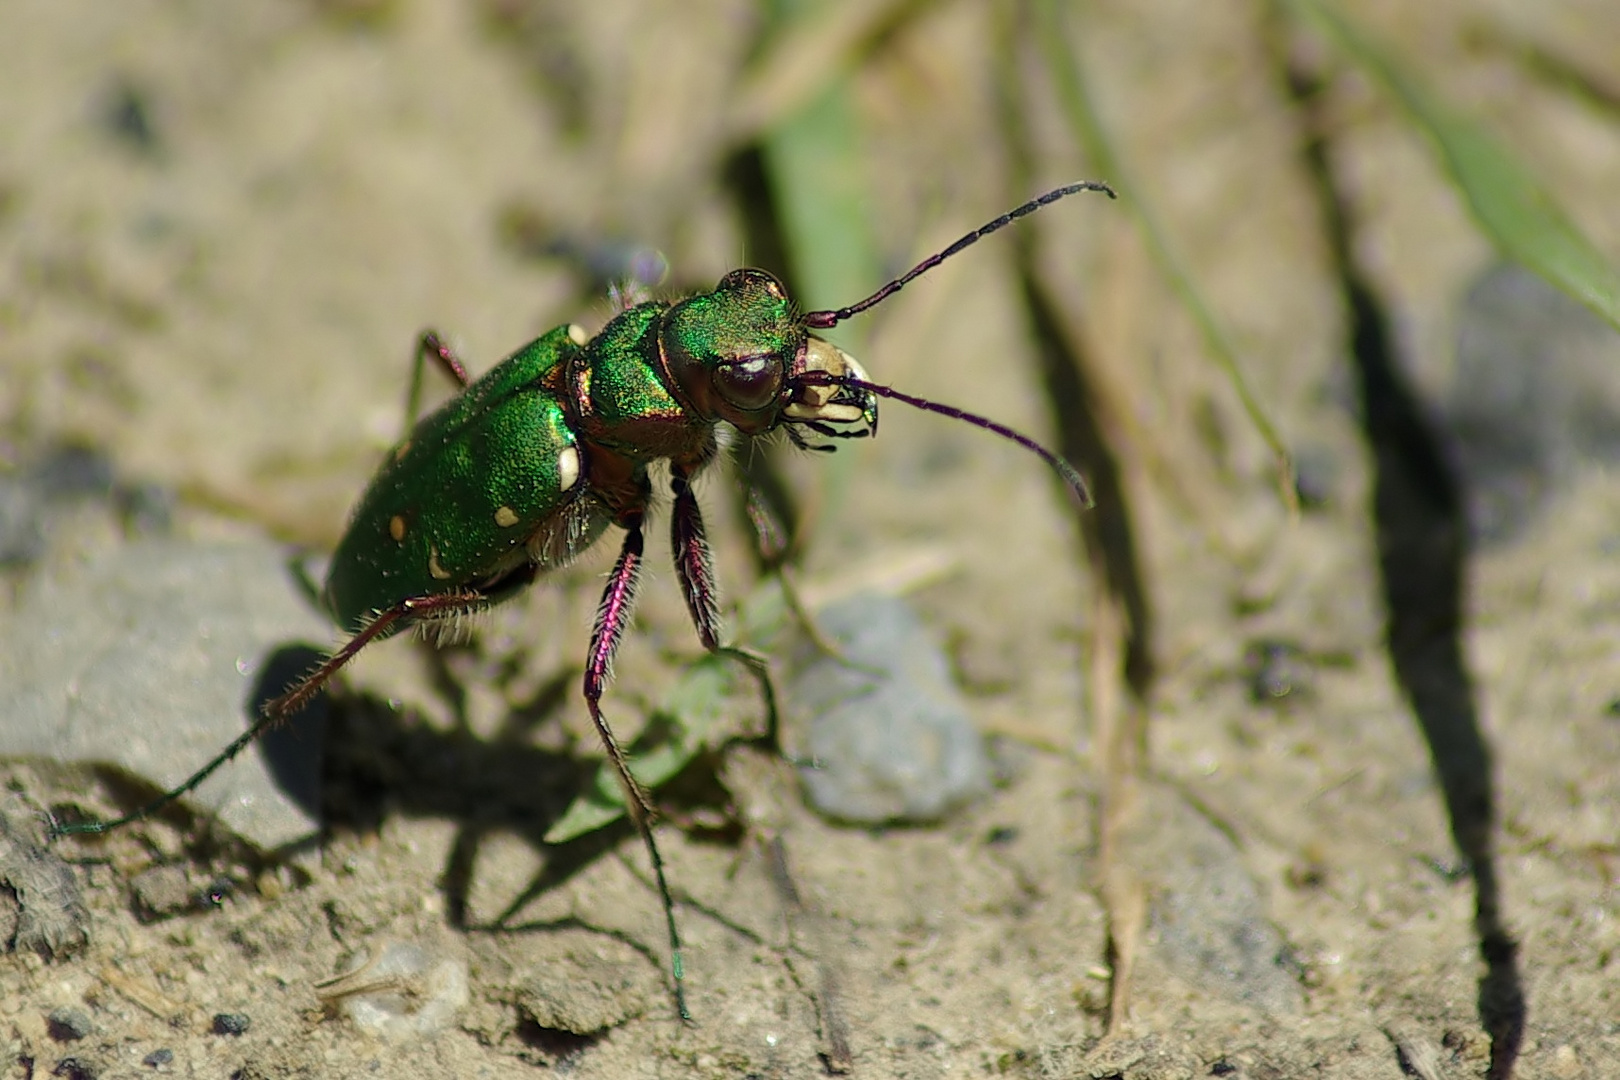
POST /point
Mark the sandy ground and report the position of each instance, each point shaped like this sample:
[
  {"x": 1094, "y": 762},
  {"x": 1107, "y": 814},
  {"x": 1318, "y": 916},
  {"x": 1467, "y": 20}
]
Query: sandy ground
[{"x": 221, "y": 227}]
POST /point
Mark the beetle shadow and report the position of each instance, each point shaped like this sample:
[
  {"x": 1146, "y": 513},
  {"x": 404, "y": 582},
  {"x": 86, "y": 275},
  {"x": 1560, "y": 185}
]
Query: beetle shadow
[
  {"x": 293, "y": 750},
  {"x": 382, "y": 761},
  {"x": 377, "y": 761}
]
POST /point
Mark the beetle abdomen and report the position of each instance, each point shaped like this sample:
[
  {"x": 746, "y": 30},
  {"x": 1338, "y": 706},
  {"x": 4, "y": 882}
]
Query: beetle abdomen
[{"x": 479, "y": 484}]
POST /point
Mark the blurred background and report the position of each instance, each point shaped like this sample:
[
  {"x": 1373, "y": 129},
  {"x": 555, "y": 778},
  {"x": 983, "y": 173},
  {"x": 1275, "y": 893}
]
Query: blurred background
[{"x": 1335, "y": 648}]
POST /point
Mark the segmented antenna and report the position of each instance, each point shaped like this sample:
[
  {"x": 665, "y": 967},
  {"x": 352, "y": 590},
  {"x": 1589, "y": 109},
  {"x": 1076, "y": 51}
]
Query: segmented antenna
[
  {"x": 1069, "y": 473},
  {"x": 820, "y": 320}
]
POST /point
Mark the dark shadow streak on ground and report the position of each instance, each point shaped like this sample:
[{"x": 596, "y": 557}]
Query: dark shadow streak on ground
[
  {"x": 1423, "y": 552},
  {"x": 1109, "y": 543},
  {"x": 1108, "y": 549}
]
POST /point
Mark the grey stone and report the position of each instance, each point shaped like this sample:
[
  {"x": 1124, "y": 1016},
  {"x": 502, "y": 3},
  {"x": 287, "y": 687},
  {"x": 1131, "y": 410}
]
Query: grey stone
[
  {"x": 68, "y": 1024},
  {"x": 1210, "y": 920},
  {"x": 886, "y": 733},
  {"x": 405, "y": 993},
  {"x": 152, "y": 658},
  {"x": 163, "y": 891},
  {"x": 587, "y": 992},
  {"x": 1535, "y": 395}
]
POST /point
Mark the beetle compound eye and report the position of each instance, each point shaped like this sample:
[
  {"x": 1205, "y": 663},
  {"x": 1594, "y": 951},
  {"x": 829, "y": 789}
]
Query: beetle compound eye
[{"x": 749, "y": 384}]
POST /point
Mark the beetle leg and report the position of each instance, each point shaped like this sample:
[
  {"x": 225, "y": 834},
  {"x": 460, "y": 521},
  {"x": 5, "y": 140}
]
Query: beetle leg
[
  {"x": 411, "y": 609},
  {"x": 612, "y": 616},
  {"x": 695, "y": 568},
  {"x": 278, "y": 709},
  {"x": 693, "y": 563},
  {"x": 431, "y": 344}
]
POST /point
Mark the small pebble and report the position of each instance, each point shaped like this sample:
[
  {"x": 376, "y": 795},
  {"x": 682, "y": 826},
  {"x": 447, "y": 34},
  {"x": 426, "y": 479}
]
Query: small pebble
[
  {"x": 1535, "y": 395},
  {"x": 886, "y": 732},
  {"x": 405, "y": 993},
  {"x": 231, "y": 1023},
  {"x": 158, "y": 1057},
  {"x": 1565, "y": 1063},
  {"x": 1210, "y": 921},
  {"x": 1276, "y": 670},
  {"x": 587, "y": 992},
  {"x": 162, "y": 891},
  {"x": 68, "y": 1024}
]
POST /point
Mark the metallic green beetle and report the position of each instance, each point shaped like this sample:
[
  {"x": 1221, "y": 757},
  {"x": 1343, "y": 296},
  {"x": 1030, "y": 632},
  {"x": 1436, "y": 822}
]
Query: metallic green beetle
[{"x": 530, "y": 464}]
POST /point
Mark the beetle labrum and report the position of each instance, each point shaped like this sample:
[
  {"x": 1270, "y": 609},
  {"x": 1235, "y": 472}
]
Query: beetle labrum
[{"x": 529, "y": 465}]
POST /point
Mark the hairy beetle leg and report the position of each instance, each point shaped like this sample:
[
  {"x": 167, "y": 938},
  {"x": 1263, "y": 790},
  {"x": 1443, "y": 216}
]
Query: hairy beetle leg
[
  {"x": 695, "y": 568},
  {"x": 432, "y": 344},
  {"x": 612, "y": 616}
]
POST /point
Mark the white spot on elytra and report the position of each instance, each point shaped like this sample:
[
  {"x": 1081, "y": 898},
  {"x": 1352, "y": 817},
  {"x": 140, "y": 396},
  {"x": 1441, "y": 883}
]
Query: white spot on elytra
[
  {"x": 505, "y": 518},
  {"x": 439, "y": 572},
  {"x": 577, "y": 334},
  {"x": 568, "y": 468}
]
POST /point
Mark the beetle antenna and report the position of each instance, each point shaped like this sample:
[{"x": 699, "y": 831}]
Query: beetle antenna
[
  {"x": 821, "y": 320},
  {"x": 1069, "y": 473}
]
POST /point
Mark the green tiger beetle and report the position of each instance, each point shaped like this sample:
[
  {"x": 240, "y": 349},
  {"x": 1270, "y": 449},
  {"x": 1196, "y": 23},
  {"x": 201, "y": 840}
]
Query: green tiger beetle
[{"x": 529, "y": 464}]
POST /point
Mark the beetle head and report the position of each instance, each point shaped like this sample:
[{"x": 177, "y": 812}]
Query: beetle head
[
  {"x": 731, "y": 351},
  {"x": 740, "y": 354}
]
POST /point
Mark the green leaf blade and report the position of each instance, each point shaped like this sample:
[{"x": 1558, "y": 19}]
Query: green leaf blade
[{"x": 1520, "y": 217}]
